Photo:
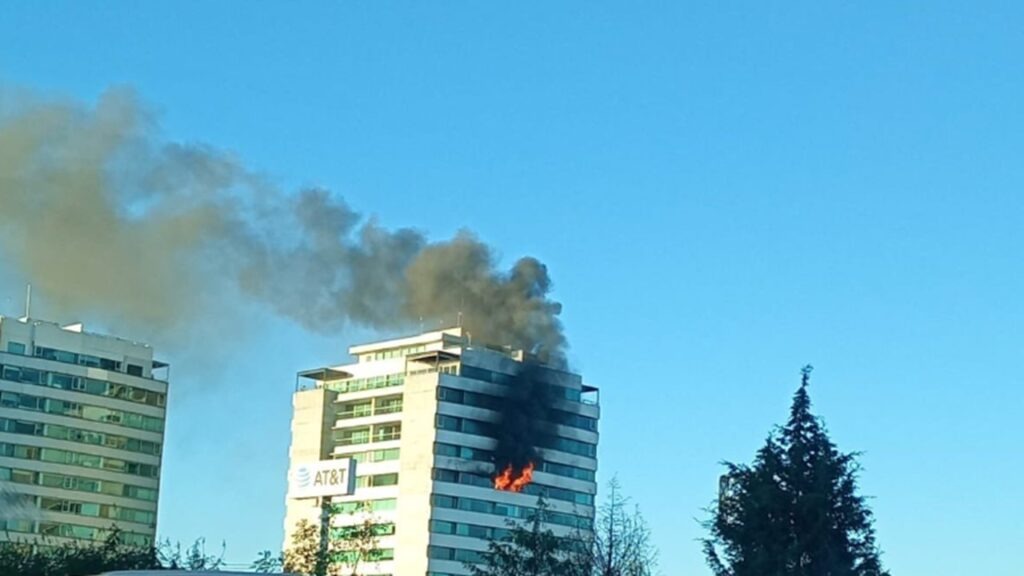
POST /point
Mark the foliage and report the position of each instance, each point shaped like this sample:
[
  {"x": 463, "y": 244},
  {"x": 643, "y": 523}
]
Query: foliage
[
  {"x": 527, "y": 550},
  {"x": 73, "y": 558},
  {"x": 356, "y": 544},
  {"x": 621, "y": 542},
  {"x": 795, "y": 511},
  {"x": 267, "y": 563},
  {"x": 193, "y": 558},
  {"x": 343, "y": 551},
  {"x": 305, "y": 556},
  {"x": 45, "y": 558}
]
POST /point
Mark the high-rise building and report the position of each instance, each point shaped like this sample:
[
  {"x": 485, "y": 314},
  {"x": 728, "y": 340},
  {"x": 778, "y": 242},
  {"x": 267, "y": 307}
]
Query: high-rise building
[
  {"x": 407, "y": 436},
  {"x": 81, "y": 433}
]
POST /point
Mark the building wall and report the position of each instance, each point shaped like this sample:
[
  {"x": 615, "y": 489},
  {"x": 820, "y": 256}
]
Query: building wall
[
  {"x": 311, "y": 424},
  {"x": 80, "y": 445},
  {"x": 415, "y": 484}
]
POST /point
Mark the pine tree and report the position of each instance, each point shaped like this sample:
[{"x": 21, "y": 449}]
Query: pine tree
[{"x": 795, "y": 511}]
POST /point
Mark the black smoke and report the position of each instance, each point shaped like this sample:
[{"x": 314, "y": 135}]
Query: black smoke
[
  {"x": 525, "y": 420},
  {"x": 108, "y": 219}
]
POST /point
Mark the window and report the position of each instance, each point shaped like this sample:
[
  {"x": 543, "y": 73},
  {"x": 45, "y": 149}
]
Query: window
[
  {"x": 450, "y": 395},
  {"x": 574, "y": 420},
  {"x": 477, "y": 427},
  {"x": 352, "y": 436},
  {"x": 373, "y": 505},
  {"x": 134, "y": 370},
  {"x": 389, "y": 405},
  {"x": 372, "y": 455},
  {"x": 384, "y": 480},
  {"x": 456, "y": 554},
  {"x": 568, "y": 471},
  {"x": 82, "y": 384},
  {"x": 377, "y": 480},
  {"x": 386, "y": 432},
  {"x": 356, "y": 409},
  {"x": 442, "y": 527},
  {"x": 571, "y": 446},
  {"x": 465, "y": 425},
  {"x": 16, "y": 348},
  {"x": 445, "y": 422},
  {"x": 77, "y": 459},
  {"x": 466, "y": 452}
]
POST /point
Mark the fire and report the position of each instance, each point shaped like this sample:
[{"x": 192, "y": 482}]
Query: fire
[{"x": 511, "y": 481}]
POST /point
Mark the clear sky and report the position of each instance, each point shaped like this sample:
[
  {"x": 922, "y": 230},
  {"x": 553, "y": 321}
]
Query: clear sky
[{"x": 723, "y": 192}]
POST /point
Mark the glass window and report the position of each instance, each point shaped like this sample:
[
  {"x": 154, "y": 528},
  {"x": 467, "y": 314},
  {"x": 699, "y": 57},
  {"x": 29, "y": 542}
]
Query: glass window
[
  {"x": 443, "y": 501},
  {"x": 445, "y": 422},
  {"x": 446, "y": 450},
  {"x": 384, "y": 480},
  {"x": 16, "y": 348},
  {"x": 9, "y": 399},
  {"x": 476, "y": 427},
  {"x": 386, "y": 432},
  {"x": 442, "y": 527},
  {"x": 23, "y": 476},
  {"x": 440, "y": 553},
  {"x": 388, "y": 405},
  {"x": 353, "y": 436}
]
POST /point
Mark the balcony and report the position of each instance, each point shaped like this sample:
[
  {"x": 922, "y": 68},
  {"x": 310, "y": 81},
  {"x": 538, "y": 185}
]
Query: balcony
[{"x": 370, "y": 407}]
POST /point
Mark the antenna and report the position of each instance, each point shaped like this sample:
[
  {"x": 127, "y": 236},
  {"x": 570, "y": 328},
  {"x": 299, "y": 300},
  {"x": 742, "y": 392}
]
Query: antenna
[
  {"x": 28, "y": 301},
  {"x": 460, "y": 319}
]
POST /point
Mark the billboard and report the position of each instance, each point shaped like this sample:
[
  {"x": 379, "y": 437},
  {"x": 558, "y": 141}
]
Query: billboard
[{"x": 322, "y": 478}]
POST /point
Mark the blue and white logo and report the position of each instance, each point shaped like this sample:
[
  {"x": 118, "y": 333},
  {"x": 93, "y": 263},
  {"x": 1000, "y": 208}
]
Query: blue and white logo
[
  {"x": 322, "y": 478},
  {"x": 303, "y": 477}
]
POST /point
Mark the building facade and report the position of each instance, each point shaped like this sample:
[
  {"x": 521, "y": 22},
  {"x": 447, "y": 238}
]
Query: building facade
[
  {"x": 415, "y": 421},
  {"x": 81, "y": 434}
]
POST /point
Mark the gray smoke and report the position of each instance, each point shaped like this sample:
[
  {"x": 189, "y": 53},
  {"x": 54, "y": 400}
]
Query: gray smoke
[{"x": 104, "y": 216}]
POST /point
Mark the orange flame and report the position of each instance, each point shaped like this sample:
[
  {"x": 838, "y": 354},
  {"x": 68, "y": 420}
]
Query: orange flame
[{"x": 511, "y": 481}]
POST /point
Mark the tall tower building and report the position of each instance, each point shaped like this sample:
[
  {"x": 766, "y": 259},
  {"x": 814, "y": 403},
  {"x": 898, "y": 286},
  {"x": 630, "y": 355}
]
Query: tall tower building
[
  {"x": 81, "y": 434},
  {"x": 414, "y": 436}
]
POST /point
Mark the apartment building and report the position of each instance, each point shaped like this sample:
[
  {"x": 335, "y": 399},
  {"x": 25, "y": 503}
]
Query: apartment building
[
  {"x": 405, "y": 437},
  {"x": 81, "y": 433}
]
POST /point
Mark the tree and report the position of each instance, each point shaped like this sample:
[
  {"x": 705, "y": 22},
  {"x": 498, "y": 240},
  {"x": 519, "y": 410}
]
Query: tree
[
  {"x": 25, "y": 558},
  {"x": 319, "y": 551},
  {"x": 621, "y": 542},
  {"x": 795, "y": 511},
  {"x": 527, "y": 550},
  {"x": 193, "y": 558},
  {"x": 354, "y": 544},
  {"x": 266, "y": 563},
  {"x": 305, "y": 556}
]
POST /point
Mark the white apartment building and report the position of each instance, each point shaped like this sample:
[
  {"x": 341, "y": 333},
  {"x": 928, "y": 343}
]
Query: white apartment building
[
  {"x": 81, "y": 433},
  {"x": 414, "y": 418}
]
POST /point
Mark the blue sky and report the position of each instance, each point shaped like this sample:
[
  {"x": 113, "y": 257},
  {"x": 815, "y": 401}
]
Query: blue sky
[{"x": 723, "y": 192}]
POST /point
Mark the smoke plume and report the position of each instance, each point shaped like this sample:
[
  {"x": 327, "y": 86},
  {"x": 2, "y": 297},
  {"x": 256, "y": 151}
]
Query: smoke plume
[
  {"x": 104, "y": 216},
  {"x": 524, "y": 422}
]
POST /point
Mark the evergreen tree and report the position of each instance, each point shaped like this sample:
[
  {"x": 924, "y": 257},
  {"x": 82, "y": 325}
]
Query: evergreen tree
[
  {"x": 795, "y": 511},
  {"x": 527, "y": 550}
]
